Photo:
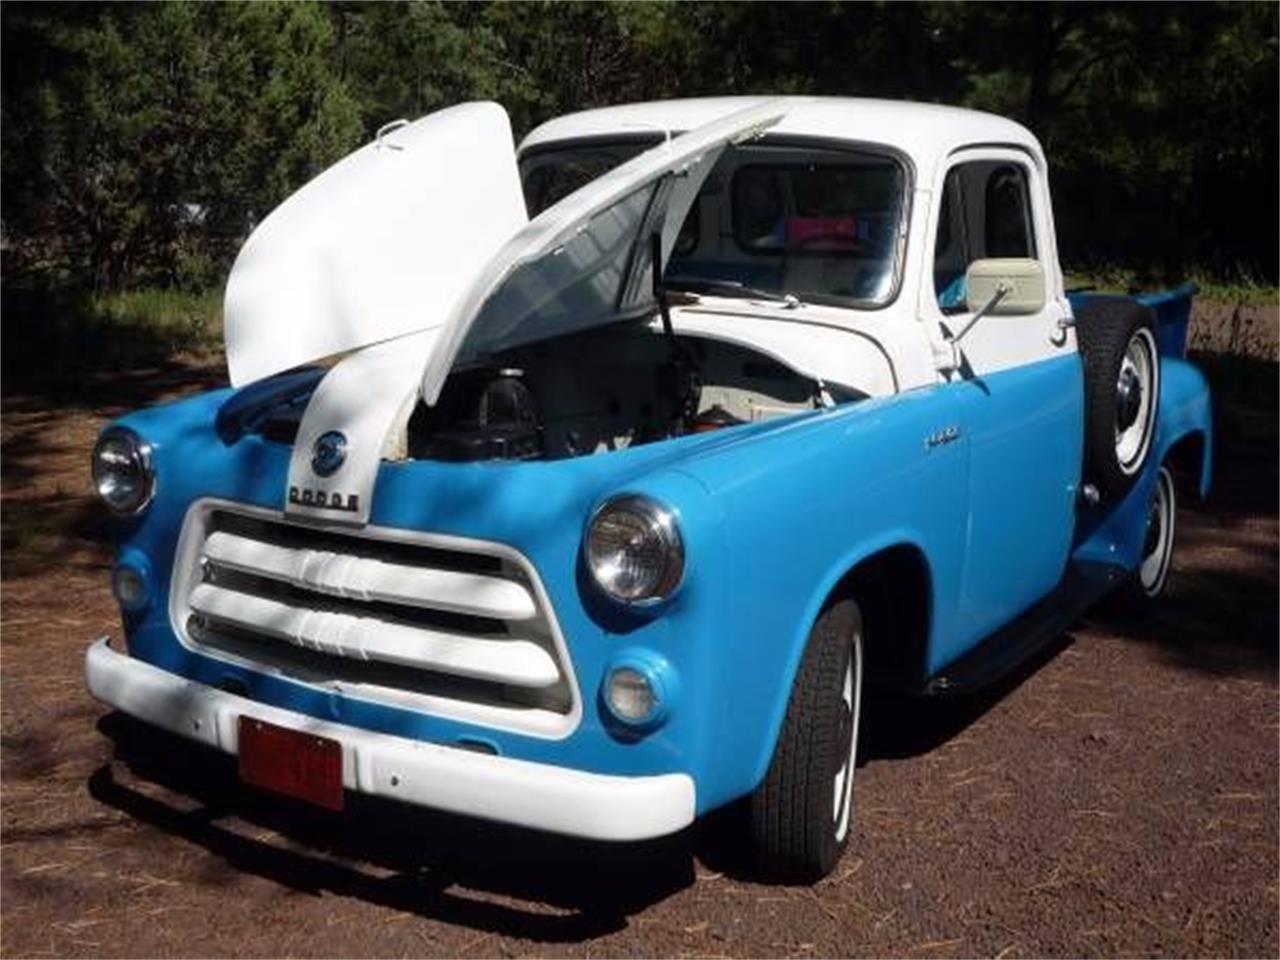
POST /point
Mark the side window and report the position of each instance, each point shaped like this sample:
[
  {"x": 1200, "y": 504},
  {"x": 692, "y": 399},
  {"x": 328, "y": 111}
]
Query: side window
[
  {"x": 1008, "y": 220},
  {"x": 951, "y": 250},
  {"x": 984, "y": 213}
]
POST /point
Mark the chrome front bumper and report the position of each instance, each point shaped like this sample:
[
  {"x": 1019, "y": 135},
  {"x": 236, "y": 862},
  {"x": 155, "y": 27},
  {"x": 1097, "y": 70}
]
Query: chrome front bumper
[{"x": 557, "y": 799}]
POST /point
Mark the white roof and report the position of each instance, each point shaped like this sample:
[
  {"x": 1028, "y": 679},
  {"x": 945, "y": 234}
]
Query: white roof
[{"x": 926, "y": 132}]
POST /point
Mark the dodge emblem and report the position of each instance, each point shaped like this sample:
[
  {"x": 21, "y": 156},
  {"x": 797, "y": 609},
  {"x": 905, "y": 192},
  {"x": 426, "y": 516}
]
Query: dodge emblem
[{"x": 328, "y": 454}]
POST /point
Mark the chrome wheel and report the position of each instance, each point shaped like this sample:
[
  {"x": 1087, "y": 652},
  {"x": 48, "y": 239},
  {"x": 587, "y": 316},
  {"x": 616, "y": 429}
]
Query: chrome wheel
[
  {"x": 1157, "y": 548},
  {"x": 1136, "y": 388},
  {"x": 851, "y": 703}
]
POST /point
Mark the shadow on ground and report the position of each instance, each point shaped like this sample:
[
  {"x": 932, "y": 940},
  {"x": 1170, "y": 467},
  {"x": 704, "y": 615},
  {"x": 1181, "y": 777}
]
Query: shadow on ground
[
  {"x": 489, "y": 877},
  {"x": 486, "y": 876}
]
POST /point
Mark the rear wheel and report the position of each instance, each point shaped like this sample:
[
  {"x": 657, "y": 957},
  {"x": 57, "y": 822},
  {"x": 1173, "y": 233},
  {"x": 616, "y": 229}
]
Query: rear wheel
[
  {"x": 1122, "y": 391},
  {"x": 800, "y": 813},
  {"x": 1157, "y": 551},
  {"x": 1137, "y": 595},
  {"x": 1157, "y": 547}
]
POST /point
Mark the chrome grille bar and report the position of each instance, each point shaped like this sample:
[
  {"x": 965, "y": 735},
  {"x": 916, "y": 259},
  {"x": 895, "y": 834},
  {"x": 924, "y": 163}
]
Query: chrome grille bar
[
  {"x": 363, "y": 578},
  {"x": 517, "y": 662}
]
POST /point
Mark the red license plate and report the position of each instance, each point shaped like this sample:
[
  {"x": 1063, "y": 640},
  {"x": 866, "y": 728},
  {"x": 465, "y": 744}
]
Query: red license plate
[{"x": 291, "y": 762}]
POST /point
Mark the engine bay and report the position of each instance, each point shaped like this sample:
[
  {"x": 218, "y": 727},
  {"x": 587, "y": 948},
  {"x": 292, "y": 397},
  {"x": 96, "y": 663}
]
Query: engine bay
[{"x": 605, "y": 390}]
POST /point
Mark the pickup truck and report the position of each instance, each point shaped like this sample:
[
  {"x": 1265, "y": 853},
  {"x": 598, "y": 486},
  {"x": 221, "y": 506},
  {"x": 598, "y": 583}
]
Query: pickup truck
[{"x": 591, "y": 485}]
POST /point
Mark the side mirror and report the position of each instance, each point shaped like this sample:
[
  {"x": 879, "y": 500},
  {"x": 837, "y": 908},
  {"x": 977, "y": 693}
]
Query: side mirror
[{"x": 1008, "y": 287}]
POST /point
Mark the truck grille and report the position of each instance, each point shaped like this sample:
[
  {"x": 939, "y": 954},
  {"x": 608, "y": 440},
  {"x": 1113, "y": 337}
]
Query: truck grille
[{"x": 448, "y": 626}]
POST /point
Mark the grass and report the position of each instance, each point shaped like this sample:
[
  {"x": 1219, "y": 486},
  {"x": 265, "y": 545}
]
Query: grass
[
  {"x": 181, "y": 321},
  {"x": 1246, "y": 292}
]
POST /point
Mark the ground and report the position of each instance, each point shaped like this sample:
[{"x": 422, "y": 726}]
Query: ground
[{"x": 1118, "y": 797}]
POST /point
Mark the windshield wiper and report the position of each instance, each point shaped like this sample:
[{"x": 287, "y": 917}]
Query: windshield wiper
[{"x": 730, "y": 288}]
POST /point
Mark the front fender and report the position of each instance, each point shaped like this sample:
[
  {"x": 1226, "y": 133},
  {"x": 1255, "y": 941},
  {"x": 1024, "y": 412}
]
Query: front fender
[
  {"x": 822, "y": 592},
  {"x": 802, "y": 506}
]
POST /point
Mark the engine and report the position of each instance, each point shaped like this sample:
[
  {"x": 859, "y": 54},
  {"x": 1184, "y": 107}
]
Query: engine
[{"x": 601, "y": 391}]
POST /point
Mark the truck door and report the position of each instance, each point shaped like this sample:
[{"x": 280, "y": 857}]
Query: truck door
[{"x": 1019, "y": 389}]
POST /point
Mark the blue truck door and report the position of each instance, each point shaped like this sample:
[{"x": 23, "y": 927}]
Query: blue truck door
[{"x": 1020, "y": 390}]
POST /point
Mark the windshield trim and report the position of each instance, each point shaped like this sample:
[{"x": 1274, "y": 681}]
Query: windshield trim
[{"x": 835, "y": 144}]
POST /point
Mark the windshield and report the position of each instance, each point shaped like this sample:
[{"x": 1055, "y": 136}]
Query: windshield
[
  {"x": 551, "y": 174},
  {"x": 771, "y": 220}
]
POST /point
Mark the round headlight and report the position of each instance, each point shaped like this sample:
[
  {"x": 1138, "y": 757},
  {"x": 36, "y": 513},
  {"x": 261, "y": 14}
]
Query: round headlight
[
  {"x": 122, "y": 470},
  {"x": 634, "y": 550}
]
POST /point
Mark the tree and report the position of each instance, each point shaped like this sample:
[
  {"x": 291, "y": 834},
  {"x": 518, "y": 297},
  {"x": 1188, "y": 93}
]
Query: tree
[
  {"x": 152, "y": 135},
  {"x": 143, "y": 141}
]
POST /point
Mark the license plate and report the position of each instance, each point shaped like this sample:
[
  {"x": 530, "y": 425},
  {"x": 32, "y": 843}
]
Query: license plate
[{"x": 291, "y": 762}]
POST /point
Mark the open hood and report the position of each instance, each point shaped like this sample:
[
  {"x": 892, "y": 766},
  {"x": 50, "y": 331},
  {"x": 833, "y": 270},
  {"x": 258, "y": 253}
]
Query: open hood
[
  {"x": 425, "y": 229},
  {"x": 416, "y": 252},
  {"x": 382, "y": 244},
  {"x": 587, "y": 260}
]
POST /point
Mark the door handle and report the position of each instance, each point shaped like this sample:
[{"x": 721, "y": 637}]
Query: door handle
[{"x": 1060, "y": 327}]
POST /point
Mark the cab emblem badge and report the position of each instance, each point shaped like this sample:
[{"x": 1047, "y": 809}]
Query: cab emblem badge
[{"x": 942, "y": 437}]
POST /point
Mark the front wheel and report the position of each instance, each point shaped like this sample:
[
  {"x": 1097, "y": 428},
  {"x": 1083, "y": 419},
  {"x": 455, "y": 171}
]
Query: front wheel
[{"x": 800, "y": 813}]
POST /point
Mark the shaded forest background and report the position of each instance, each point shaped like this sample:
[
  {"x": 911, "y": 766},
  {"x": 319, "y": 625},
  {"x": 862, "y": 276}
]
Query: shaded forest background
[{"x": 141, "y": 142}]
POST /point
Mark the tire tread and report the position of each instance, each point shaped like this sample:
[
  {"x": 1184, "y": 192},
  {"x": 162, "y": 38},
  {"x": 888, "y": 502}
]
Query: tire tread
[
  {"x": 1104, "y": 327},
  {"x": 790, "y": 808}
]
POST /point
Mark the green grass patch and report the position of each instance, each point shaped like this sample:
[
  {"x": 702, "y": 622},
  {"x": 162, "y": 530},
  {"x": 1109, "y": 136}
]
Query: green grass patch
[
  {"x": 175, "y": 320},
  {"x": 1248, "y": 293}
]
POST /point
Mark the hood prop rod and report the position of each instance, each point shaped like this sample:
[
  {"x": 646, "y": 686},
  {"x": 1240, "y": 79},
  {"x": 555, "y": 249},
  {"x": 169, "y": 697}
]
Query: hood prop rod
[
  {"x": 684, "y": 373},
  {"x": 659, "y": 288}
]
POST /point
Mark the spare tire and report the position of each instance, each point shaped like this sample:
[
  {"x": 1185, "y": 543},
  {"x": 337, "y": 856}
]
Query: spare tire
[{"x": 1117, "y": 339}]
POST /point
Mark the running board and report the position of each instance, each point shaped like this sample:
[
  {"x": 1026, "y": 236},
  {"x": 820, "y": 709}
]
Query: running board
[{"x": 1011, "y": 646}]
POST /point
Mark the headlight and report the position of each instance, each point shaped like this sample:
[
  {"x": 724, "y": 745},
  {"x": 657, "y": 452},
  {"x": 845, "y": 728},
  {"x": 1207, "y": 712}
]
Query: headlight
[
  {"x": 122, "y": 470},
  {"x": 634, "y": 550}
]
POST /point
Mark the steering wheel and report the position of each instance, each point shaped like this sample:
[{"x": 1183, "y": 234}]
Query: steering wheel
[{"x": 846, "y": 242}]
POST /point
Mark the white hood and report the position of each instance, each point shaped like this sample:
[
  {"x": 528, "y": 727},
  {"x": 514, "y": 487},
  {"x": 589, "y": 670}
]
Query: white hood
[
  {"x": 421, "y": 230},
  {"x": 383, "y": 243},
  {"x": 416, "y": 249}
]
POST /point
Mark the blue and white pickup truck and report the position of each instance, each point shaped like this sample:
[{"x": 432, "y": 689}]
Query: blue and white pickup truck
[{"x": 589, "y": 486}]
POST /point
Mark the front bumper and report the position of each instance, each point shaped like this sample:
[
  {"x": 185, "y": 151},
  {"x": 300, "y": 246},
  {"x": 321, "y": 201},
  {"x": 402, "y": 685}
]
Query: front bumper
[{"x": 557, "y": 799}]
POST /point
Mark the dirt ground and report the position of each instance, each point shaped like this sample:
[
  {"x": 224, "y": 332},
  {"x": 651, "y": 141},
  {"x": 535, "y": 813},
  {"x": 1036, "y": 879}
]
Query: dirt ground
[
  {"x": 1120, "y": 797},
  {"x": 1243, "y": 329}
]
